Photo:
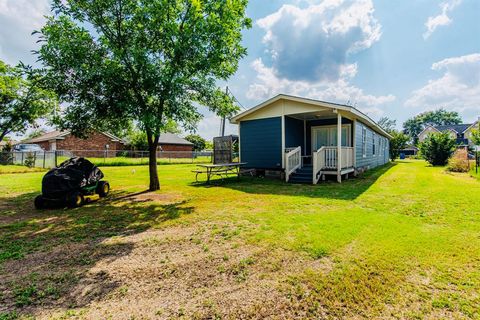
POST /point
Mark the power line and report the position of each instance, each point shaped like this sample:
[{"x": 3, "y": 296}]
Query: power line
[{"x": 235, "y": 99}]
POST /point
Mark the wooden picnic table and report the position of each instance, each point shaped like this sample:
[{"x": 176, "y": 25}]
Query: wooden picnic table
[{"x": 222, "y": 170}]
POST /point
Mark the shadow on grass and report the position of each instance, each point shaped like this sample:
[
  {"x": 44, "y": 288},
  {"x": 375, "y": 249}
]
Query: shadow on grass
[
  {"x": 347, "y": 190},
  {"x": 47, "y": 256}
]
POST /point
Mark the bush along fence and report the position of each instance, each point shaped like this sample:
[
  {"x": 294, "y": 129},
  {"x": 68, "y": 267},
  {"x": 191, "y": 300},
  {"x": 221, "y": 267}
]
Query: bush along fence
[{"x": 50, "y": 159}]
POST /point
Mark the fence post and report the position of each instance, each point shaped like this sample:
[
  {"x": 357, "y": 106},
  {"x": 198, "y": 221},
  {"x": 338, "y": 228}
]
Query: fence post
[
  {"x": 55, "y": 158},
  {"x": 22, "y": 159},
  {"x": 44, "y": 155}
]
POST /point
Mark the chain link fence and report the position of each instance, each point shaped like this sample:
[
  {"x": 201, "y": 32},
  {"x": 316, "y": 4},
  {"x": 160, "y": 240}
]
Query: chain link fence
[{"x": 50, "y": 159}]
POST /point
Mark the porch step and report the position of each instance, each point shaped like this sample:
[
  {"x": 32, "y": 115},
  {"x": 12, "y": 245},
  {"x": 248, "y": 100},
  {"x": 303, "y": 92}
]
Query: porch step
[{"x": 302, "y": 175}]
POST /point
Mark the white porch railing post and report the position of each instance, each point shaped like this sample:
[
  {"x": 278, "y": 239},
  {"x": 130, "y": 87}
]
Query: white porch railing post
[
  {"x": 339, "y": 147},
  {"x": 293, "y": 161}
]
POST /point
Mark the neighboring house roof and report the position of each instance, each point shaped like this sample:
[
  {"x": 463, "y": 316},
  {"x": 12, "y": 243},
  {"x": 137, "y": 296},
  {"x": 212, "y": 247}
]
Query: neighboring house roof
[
  {"x": 170, "y": 138},
  {"x": 324, "y": 104},
  {"x": 458, "y": 128},
  {"x": 410, "y": 148},
  {"x": 475, "y": 124},
  {"x": 426, "y": 128},
  {"x": 60, "y": 135}
]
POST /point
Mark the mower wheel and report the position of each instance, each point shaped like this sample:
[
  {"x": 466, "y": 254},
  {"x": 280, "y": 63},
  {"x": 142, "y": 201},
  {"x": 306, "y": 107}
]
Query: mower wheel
[
  {"x": 103, "y": 188},
  {"x": 39, "y": 202},
  {"x": 75, "y": 199}
]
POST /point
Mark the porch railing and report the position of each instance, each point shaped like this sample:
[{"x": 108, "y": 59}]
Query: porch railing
[
  {"x": 293, "y": 161},
  {"x": 326, "y": 158}
]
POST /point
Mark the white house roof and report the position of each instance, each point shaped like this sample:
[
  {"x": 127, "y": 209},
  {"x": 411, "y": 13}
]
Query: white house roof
[{"x": 324, "y": 104}]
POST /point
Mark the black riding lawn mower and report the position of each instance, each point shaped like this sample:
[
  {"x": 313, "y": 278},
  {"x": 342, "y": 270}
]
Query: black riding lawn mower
[{"x": 70, "y": 183}]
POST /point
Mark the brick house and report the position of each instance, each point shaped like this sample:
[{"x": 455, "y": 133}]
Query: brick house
[
  {"x": 169, "y": 142},
  {"x": 65, "y": 141},
  {"x": 170, "y": 145}
]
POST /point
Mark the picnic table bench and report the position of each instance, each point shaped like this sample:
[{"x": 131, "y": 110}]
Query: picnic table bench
[{"x": 222, "y": 170}]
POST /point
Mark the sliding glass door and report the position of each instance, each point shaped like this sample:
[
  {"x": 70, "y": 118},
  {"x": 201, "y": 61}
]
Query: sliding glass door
[{"x": 326, "y": 136}]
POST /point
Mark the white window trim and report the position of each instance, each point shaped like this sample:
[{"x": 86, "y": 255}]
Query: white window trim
[{"x": 364, "y": 142}]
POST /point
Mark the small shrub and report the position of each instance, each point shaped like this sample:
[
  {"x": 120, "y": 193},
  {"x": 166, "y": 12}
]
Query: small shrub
[
  {"x": 459, "y": 161},
  {"x": 30, "y": 160},
  {"x": 437, "y": 148}
]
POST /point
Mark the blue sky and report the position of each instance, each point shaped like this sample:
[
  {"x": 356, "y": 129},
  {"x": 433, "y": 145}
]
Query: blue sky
[{"x": 392, "y": 58}]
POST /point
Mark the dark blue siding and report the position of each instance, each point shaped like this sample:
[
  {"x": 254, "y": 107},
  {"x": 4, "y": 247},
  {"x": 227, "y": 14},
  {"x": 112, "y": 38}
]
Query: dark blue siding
[
  {"x": 261, "y": 143},
  {"x": 293, "y": 132}
]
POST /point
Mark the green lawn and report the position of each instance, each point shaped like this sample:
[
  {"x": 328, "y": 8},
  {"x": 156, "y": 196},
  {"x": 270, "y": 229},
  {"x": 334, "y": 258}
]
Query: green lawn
[
  {"x": 475, "y": 173},
  {"x": 400, "y": 242},
  {"x": 127, "y": 161},
  {"x": 18, "y": 169}
]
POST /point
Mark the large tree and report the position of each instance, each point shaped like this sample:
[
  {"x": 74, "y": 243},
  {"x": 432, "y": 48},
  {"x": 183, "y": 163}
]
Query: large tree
[
  {"x": 398, "y": 142},
  {"x": 22, "y": 100},
  {"x": 387, "y": 124},
  {"x": 114, "y": 61},
  {"x": 198, "y": 142},
  {"x": 415, "y": 125}
]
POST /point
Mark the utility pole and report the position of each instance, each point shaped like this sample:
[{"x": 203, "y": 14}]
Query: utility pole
[{"x": 223, "y": 119}]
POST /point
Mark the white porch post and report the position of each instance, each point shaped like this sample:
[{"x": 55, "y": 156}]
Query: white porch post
[
  {"x": 339, "y": 147},
  {"x": 354, "y": 145},
  {"x": 283, "y": 141}
]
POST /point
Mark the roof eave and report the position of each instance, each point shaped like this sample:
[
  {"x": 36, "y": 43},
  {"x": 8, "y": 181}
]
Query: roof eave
[{"x": 236, "y": 119}]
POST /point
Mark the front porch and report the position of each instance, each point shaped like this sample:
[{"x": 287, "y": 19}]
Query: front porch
[{"x": 316, "y": 145}]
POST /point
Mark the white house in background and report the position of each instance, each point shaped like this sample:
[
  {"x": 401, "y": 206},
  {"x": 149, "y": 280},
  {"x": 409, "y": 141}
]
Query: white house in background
[{"x": 460, "y": 132}]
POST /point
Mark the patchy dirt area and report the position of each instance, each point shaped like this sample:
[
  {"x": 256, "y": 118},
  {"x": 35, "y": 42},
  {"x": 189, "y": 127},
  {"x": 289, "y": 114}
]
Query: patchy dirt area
[{"x": 199, "y": 272}]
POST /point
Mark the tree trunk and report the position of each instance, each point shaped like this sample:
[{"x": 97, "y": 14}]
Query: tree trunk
[
  {"x": 152, "y": 161},
  {"x": 3, "y": 134}
]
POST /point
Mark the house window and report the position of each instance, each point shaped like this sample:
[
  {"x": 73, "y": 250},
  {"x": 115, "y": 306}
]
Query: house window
[
  {"x": 364, "y": 141},
  {"x": 374, "y": 145}
]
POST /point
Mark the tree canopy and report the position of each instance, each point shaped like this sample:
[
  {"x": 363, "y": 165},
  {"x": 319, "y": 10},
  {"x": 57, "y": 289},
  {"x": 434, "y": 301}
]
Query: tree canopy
[
  {"x": 387, "y": 124},
  {"x": 415, "y": 125},
  {"x": 437, "y": 148},
  {"x": 146, "y": 61},
  {"x": 137, "y": 139},
  {"x": 398, "y": 142},
  {"x": 199, "y": 143},
  {"x": 22, "y": 100},
  {"x": 475, "y": 135}
]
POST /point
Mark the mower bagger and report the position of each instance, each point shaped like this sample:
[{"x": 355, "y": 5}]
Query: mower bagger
[{"x": 70, "y": 183}]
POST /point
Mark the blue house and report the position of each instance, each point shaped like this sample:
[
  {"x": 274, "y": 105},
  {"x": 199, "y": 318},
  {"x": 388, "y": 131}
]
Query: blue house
[{"x": 309, "y": 139}]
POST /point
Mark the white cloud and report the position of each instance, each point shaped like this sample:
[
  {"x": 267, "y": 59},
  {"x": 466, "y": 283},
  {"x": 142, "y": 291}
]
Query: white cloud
[
  {"x": 209, "y": 126},
  {"x": 18, "y": 18},
  {"x": 442, "y": 19},
  {"x": 457, "y": 89},
  {"x": 268, "y": 84},
  {"x": 308, "y": 48},
  {"x": 313, "y": 43}
]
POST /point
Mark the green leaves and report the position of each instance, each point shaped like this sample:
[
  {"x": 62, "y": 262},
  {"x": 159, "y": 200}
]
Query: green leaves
[
  {"x": 145, "y": 61},
  {"x": 437, "y": 148},
  {"x": 118, "y": 61},
  {"x": 415, "y": 125},
  {"x": 398, "y": 142},
  {"x": 475, "y": 136},
  {"x": 22, "y": 98}
]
